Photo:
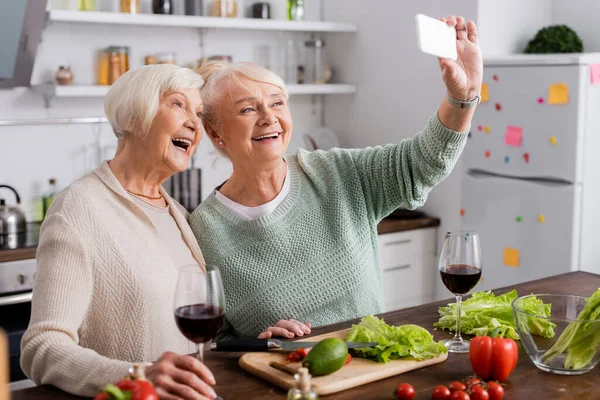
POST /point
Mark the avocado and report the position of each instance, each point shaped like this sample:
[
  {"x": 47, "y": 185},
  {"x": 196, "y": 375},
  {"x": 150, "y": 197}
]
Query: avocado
[{"x": 326, "y": 357}]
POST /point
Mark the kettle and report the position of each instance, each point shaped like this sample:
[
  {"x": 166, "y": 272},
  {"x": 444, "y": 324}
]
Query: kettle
[{"x": 12, "y": 219}]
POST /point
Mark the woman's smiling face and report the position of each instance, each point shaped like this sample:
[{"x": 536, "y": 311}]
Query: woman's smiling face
[
  {"x": 255, "y": 124},
  {"x": 176, "y": 129}
]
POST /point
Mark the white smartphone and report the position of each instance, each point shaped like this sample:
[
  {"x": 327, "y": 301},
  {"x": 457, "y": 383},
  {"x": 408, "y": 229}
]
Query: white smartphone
[{"x": 435, "y": 37}]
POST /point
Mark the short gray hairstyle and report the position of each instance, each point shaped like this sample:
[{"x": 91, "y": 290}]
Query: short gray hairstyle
[
  {"x": 132, "y": 101},
  {"x": 212, "y": 92}
]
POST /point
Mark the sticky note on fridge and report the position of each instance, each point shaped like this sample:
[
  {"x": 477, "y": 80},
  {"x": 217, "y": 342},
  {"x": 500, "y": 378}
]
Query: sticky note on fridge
[
  {"x": 595, "y": 74},
  {"x": 485, "y": 92},
  {"x": 513, "y": 136},
  {"x": 558, "y": 93},
  {"x": 511, "y": 257}
]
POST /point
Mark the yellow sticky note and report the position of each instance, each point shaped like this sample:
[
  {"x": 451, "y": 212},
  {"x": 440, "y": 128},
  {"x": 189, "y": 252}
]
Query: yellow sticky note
[
  {"x": 511, "y": 257},
  {"x": 485, "y": 92},
  {"x": 487, "y": 129},
  {"x": 541, "y": 218},
  {"x": 558, "y": 93},
  {"x": 553, "y": 140}
]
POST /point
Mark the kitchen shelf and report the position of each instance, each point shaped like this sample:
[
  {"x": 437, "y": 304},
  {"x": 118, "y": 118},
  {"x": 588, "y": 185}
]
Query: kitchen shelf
[
  {"x": 50, "y": 90},
  {"x": 186, "y": 21}
]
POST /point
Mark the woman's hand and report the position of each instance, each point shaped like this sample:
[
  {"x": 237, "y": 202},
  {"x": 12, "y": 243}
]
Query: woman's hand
[
  {"x": 463, "y": 76},
  {"x": 181, "y": 377},
  {"x": 286, "y": 328}
]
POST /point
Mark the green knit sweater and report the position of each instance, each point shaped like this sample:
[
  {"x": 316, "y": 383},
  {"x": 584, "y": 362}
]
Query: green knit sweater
[{"x": 315, "y": 258}]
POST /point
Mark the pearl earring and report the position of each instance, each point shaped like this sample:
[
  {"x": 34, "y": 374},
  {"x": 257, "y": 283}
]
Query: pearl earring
[{"x": 221, "y": 143}]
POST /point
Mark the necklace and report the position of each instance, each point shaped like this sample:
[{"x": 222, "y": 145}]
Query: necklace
[{"x": 143, "y": 195}]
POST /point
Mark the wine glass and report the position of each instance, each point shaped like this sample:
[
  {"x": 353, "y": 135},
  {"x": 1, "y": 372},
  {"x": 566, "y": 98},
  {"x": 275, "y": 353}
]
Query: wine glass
[
  {"x": 199, "y": 305},
  {"x": 460, "y": 267}
]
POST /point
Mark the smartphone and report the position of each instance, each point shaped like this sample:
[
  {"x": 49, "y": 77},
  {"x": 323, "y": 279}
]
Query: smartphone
[{"x": 435, "y": 37}]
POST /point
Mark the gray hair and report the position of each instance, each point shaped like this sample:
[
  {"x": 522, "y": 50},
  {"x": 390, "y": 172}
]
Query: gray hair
[
  {"x": 212, "y": 92},
  {"x": 132, "y": 101}
]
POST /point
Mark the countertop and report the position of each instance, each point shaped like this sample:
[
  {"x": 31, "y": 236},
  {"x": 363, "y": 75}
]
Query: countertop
[
  {"x": 526, "y": 382},
  {"x": 387, "y": 225}
]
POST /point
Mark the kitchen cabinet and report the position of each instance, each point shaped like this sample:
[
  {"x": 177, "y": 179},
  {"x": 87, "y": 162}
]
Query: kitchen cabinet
[{"x": 408, "y": 265}]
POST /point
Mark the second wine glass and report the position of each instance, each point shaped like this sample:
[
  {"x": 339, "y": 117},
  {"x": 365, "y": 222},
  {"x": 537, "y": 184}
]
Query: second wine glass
[
  {"x": 199, "y": 305},
  {"x": 460, "y": 268}
]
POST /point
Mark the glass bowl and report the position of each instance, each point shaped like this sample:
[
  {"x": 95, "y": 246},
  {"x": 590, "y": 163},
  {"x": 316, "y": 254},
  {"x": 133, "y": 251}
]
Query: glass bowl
[{"x": 582, "y": 338}]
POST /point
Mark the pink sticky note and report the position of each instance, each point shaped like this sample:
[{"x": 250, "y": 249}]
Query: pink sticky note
[
  {"x": 595, "y": 72},
  {"x": 513, "y": 136}
]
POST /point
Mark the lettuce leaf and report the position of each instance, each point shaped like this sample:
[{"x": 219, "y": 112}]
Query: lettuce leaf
[
  {"x": 579, "y": 339},
  {"x": 394, "y": 341},
  {"x": 484, "y": 312}
]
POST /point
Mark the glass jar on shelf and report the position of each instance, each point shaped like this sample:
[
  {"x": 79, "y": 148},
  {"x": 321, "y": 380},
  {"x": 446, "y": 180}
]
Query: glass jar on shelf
[
  {"x": 295, "y": 9},
  {"x": 130, "y": 6},
  {"x": 87, "y": 5},
  {"x": 223, "y": 8},
  {"x": 118, "y": 62},
  {"x": 314, "y": 66},
  {"x": 102, "y": 67}
]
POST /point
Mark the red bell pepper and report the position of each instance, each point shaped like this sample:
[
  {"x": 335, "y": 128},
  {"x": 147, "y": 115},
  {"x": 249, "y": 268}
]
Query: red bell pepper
[
  {"x": 493, "y": 357},
  {"x": 135, "y": 387}
]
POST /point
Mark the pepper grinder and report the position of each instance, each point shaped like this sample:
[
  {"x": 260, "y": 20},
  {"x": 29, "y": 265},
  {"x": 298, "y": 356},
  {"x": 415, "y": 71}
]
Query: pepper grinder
[{"x": 303, "y": 390}]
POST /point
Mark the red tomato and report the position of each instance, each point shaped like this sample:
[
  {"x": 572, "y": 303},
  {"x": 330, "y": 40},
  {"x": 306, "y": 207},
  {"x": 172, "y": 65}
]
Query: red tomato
[
  {"x": 302, "y": 353},
  {"x": 472, "y": 382},
  {"x": 456, "y": 385},
  {"x": 460, "y": 395},
  {"x": 493, "y": 358},
  {"x": 441, "y": 393},
  {"x": 294, "y": 357},
  {"x": 479, "y": 393},
  {"x": 495, "y": 390},
  {"x": 404, "y": 391},
  {"x": 348, "y": 359}
]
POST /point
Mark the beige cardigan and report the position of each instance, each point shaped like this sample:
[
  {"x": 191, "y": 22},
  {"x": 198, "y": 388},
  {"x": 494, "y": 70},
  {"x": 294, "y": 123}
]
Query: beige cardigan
[{"x": 103, "y": 295}]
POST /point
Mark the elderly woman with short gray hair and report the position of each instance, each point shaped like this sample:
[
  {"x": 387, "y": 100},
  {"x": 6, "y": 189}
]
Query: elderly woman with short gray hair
[
  {"x": 110, "y": 249},
  {"x": 295, "y": 236}
]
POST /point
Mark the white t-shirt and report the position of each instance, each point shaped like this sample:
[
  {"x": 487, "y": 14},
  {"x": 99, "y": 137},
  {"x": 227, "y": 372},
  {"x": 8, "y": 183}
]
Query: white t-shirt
[{"x": 252, "y": 213}]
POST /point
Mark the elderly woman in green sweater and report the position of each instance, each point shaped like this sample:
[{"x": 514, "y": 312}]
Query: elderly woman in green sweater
[{"x": 295, "y": 236}]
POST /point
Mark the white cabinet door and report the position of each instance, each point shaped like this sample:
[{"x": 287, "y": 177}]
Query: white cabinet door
[
  {"x": 513, "y": 102},
  {"x": 527, "y": 230},
  {"x": 407, "y": 261}
]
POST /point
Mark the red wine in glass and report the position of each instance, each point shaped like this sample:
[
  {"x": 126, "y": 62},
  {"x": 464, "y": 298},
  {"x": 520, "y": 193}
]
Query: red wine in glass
[
  {"x": 199, "y": 322},
  {"x": 199, "y": 306},
  {"x": 460, "y": 278},
  {"x": 460, "y": 267}
]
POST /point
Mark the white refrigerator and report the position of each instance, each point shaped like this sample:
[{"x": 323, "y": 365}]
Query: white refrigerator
[{"x": 530, "y": 181}]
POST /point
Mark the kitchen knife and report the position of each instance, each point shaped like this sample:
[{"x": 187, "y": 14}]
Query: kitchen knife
[{"x": 273, "y": 344}]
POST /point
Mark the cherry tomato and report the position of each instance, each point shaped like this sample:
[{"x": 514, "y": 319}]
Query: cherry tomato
[
  {"x": 460, "y": 395},
  {"x": 495, "y": 390},
  {"x": 405, "y": 391},
  {"x": 456, "y": 385},
  {"x": 348, "y": 359},
  {"x": 302, "y": 353},
  {"x": 294, "y": 357},
  {"x": 472, "y": 382},
  {"x": 441, "y": 393},
  {"x": 479, "y": 393}
]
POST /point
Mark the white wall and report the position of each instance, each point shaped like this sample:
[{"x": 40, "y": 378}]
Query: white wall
[
  {"x": 29, "y": 155},
  {"x": 399, "y": 89},
  {"x": 506, "y": 26},
  {"x": 582, "y": 16}
]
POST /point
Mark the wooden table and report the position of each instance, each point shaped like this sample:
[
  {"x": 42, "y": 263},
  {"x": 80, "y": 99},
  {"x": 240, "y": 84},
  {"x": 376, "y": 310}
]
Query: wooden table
[{"x": 526, "y": 382}]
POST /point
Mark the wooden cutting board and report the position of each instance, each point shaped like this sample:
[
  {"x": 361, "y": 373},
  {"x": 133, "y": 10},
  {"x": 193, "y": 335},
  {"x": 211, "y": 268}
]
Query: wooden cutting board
[{"x": 267, "y": 365}]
